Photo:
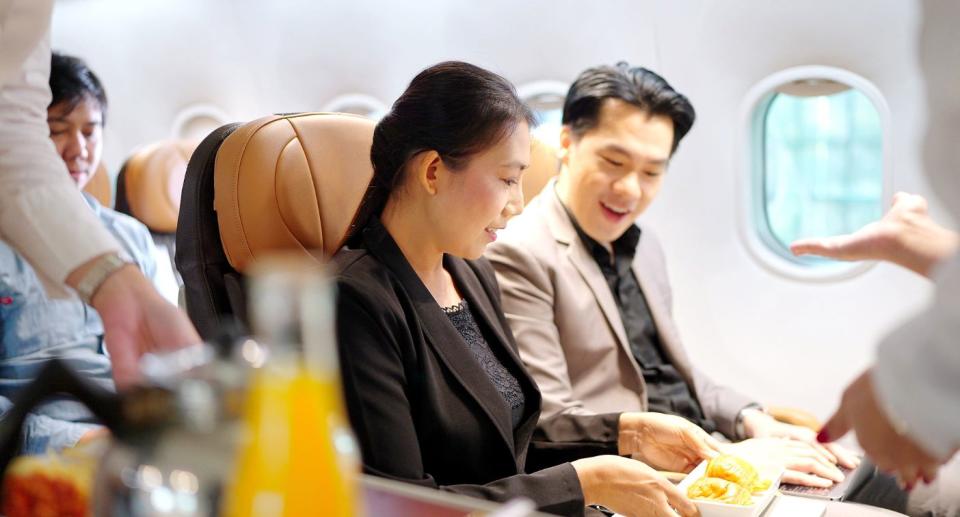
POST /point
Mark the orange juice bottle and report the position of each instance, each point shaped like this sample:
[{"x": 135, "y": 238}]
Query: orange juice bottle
[{"x": 298, "y": 456}]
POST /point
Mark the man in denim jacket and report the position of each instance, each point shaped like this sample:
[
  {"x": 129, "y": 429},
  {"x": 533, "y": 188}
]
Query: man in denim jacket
[{"x": 35, "y": 327}]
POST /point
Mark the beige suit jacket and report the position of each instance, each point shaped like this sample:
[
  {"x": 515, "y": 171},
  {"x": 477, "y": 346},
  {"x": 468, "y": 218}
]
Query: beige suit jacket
[{"x": 567, "y": 325}]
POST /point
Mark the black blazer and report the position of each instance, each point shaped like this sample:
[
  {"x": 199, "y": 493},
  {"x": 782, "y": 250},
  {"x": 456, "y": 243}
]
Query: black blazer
[{"x": 422, "y": 408}]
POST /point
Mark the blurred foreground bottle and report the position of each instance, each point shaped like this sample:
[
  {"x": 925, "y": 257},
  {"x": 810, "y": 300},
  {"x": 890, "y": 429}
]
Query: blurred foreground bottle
[{"x": 297, "y": 455}]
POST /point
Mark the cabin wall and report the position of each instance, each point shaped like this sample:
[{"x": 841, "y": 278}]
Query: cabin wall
[{"x": 784, "y": 340}]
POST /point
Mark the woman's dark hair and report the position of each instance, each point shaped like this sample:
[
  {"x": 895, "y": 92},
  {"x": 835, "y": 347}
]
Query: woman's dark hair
[
  {"x": 71, "y": 81},
  {"x": 454, "y": 108},
  {"x": 638, "y": 86}
]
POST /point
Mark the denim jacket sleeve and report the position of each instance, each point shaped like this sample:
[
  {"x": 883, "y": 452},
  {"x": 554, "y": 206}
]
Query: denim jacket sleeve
[
  {"x": 33, "y": 328},
  {"x": 42, "y": 432}
]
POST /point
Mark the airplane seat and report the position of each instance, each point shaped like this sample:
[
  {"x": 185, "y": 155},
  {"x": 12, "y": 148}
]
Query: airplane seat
[
  {"x": 150, "y": 183},
  {"x": 287, "y": 182},
  {"x": 148, "y": 188},
  {"x": 199, "y": 254},
  {"x": 99, "y": 186},
  {"x": 544, "y": 164}
]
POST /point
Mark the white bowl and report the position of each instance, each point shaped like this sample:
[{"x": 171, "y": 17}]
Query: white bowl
[{"x": 716, "y": 509}]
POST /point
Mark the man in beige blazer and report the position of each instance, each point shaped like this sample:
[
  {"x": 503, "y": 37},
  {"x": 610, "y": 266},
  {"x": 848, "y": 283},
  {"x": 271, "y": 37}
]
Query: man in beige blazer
[
  {"x": 569, "y": 327},
  {"x": 585, "y": 287}
]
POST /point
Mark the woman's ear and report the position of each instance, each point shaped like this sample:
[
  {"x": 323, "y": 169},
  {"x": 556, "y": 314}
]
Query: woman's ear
[{"x": 425, "y": 167}]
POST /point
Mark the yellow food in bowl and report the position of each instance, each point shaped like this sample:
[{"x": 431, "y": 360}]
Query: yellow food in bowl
[
  {"x": 719, "y": 490},
  {"x": 728, "y": 479},
  {"x": 737, "y": 470}
]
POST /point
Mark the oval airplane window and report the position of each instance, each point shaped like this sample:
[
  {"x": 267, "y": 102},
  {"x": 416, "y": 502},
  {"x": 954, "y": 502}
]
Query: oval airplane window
[
  {"x": 546, "y": 98},
  {"x": 197, "y": 121},
  {"x": 357, "y": 104},
  {"x": 819, "y": 165}
]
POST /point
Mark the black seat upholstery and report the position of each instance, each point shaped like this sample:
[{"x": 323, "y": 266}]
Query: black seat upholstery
[{"x": 212, "y": 288}]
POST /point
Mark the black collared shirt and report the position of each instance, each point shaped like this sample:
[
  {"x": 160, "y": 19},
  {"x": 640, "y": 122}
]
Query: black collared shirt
[{"x": 667, "y": 391}]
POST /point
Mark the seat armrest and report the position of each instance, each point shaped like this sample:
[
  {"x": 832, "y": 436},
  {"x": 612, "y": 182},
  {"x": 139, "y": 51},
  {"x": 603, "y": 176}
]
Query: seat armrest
[{"x": 789, "y": 415}]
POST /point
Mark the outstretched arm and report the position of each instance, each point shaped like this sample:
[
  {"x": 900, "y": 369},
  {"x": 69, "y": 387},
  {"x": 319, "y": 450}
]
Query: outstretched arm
[{"x": 906, "y": 236}]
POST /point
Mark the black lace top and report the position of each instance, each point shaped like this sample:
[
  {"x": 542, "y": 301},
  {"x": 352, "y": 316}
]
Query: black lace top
[{"x": 505, "y": 382}]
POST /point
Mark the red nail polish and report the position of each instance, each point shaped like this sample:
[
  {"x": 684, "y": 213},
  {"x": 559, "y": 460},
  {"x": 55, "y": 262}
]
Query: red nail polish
[{"x": 823, "y": 436}]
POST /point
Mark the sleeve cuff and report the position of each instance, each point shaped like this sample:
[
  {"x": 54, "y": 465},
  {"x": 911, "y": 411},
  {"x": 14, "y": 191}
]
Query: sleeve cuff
[
  {"x": 41, "y": 238},
  {"x": 739, "y": 431}
]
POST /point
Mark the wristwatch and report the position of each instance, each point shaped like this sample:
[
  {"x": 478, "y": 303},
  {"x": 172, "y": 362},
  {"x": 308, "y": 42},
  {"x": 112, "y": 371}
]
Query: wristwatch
[
  {"x": 103, "y": 267},
  {"x": 739, "y": 430}
]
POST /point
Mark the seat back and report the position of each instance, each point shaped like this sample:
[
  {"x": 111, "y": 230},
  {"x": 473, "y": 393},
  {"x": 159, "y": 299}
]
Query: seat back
[
  {"x": 151, "y": 181},
  {"x": 99, "y": 186},
  {"x": 199, "y": 256},
  {"x": 149, "y": 187},
  {"x": 544, "y": 164},
  {"x": 280, "y": 183}
]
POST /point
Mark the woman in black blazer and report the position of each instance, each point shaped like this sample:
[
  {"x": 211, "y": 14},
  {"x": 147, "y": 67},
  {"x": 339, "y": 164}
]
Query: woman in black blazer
[{"x": 435, "y": 390}]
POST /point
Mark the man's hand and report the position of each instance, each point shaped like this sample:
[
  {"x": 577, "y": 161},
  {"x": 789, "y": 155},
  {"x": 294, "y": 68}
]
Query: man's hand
[
  {"x": 665, "y": 442},
  {"x": 136, "y": 320},
  {"x": 758, "y": 424},
  {"x": 906, "y": 236},
  {"x": 93, "y": 435},
  {"x": 804, "y": 464},
  {"x": 890, "y": 449}
]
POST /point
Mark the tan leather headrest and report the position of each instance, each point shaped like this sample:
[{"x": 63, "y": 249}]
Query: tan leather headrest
[
  {"x": 544, "y": 164},
  {"x": 290, "y": 182},
  {"x": 153, "y": 179},
  {"x": 99, "y": 186}
]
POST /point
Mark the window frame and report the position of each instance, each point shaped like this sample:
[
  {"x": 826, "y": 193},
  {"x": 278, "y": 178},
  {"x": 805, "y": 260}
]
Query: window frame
[
  {"x": 754, "y": 224},
  {"x": 373, "y": 105},
  {"x": 529, "y": 91},
  {"x": 532, "y": 89},
  {"x": 192, "y": 112}
]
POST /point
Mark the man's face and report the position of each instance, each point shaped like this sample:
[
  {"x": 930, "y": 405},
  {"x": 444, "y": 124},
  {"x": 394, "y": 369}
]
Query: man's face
[
  {"x": 76, "y": 133},
  {"x": 612, "y": 172}
]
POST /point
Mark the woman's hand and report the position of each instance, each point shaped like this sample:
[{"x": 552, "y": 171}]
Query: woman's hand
[
  {"x": 906, "y": 235},
  {"x": 804, "y": 464},
  {"x": 889, "y": 445},
  {"x": 630, "y": 488},
  {"x": 665, "y": 442},
  {"x": 137, "y": 320}
]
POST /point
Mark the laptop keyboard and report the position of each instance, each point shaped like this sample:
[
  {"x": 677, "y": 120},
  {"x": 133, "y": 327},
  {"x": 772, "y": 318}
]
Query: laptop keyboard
[{"x": 836, "y": 490}]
